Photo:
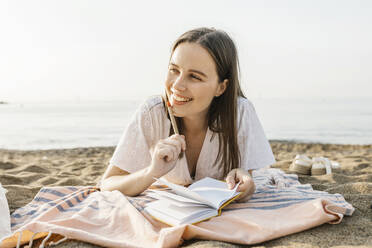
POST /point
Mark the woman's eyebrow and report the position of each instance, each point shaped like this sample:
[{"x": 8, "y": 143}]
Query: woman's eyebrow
[
  {"x": 192, "y": 70},
  {"x": 199, "y": 72}
]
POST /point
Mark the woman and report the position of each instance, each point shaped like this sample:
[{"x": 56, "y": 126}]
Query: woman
[{"x": 220, "y": 133}]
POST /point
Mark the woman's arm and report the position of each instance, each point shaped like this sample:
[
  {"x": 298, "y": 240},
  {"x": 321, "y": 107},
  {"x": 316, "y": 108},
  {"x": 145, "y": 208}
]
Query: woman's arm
[
  {"x": 165, "y": 156},
  {"x": 130, "y": 184}
]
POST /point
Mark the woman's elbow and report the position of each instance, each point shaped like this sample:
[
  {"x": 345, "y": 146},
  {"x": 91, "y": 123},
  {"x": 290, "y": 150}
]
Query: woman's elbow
[
  {"x": 108, "y": 185},
  {"x": 103, "y": 185}
]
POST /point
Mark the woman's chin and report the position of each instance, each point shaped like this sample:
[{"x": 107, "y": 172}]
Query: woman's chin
[
  {"x": 180, "y": 115},
  {"x": 178, "y": 111}
]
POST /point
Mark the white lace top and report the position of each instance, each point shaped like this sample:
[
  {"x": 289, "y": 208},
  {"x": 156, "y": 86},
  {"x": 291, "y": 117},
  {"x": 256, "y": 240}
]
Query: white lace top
[{"x": 150, "y": 124}]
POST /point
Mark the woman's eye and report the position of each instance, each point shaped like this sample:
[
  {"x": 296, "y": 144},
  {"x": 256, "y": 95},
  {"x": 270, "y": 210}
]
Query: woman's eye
[
  {"x": 172, "y": 70},
  {"x": 196, "y": 77}
]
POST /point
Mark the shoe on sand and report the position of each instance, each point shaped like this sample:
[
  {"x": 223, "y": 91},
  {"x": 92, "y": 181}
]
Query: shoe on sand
[
  {"x": 318, "y": 169},
  {"x": 335, "y": 165},
  {"x": 316, "y": 166},
  {"x": 321, "y": 166},
  {"x": 301, "y": 165}
]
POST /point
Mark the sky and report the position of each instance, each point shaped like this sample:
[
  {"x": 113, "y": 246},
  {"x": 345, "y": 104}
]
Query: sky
[{"x": 78, "y": 50}]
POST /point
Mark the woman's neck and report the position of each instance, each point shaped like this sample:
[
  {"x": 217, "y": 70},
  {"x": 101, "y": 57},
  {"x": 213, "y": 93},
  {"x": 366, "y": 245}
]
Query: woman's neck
[{"x": 194, "y": 125}]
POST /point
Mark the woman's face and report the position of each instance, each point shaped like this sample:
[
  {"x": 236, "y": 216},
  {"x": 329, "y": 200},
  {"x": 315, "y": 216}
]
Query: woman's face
[{"x": 192, "y": 81}]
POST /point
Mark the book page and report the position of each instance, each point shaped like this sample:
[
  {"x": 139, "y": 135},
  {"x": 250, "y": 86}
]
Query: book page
[
  {"x": 179, "y": 213},
  {"x": 214, "y": 191},
  {"x": 185, "y": 192},
  {"x": 209, "y": 182},
  {"x": 202, "y": 200},
  {"x": 162, "y": 217},
  {"x": 175, "y": 199}
]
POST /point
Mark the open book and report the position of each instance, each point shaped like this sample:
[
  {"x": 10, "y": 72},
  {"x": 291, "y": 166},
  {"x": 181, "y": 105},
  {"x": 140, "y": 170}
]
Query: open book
[{"x": 200, "y": 201}]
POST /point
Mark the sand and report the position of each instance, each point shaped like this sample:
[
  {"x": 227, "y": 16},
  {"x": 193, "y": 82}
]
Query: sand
[{"x": 23, "y": 173}]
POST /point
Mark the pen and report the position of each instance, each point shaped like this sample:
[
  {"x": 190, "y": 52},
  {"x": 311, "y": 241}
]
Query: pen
[{"x": 172, "y": 119}]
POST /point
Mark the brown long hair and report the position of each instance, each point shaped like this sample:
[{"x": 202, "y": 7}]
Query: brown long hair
[{"x": 222, "y": 114}]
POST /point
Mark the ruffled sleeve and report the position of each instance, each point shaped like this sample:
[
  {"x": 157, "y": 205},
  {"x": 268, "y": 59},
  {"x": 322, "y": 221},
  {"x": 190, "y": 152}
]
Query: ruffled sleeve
[
  {"x": 255, "y": 150},
  {"x": 133, "y": 150}
]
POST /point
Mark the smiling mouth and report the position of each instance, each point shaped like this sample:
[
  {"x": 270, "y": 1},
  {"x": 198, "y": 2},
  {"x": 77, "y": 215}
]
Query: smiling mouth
[{"x": 181, "y": 99}]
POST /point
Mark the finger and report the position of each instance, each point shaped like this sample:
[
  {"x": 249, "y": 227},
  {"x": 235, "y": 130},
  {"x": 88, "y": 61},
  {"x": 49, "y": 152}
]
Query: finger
[
  {"x": 181, "y": 139},
  {"x": 162, "y": 153},
  {"x": 230, "y": 179},
  {"x": 174, "y": 145},
  {"x": 244, "y": 183},
  {"x": 173, "y": 142},
  {"x": 242, "y": 187},
  {"x": 165, "y": 153},
  {"x": 175, "y": 152}
]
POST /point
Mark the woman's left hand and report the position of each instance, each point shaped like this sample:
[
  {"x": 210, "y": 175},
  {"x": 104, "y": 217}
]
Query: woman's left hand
[{"x": 246, "y": 182}]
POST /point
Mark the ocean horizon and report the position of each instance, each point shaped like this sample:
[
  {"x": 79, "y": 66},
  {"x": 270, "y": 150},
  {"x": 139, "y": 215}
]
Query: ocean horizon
[{"x": 72, "y": 124}]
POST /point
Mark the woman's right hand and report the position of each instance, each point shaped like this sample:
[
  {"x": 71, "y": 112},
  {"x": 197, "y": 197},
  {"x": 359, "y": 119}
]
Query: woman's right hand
[{"x": 166, "y": 154}]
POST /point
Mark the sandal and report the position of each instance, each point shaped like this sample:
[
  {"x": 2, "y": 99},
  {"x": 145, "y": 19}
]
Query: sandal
[
  {"x": 301, "y": 164},
  {"x": 316, "y": 166},
  {"x": 321, "y": 166}
]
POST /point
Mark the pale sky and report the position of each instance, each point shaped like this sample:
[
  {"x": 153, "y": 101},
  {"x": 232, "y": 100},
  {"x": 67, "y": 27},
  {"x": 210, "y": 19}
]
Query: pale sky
[{"x": 112, "y": 50}]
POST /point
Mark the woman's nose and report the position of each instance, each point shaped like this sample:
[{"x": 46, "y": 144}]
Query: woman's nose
[{"x": 179, "y": 84}]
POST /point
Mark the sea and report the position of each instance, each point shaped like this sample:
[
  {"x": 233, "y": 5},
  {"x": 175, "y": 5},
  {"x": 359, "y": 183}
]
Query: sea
[{"x": 57, "y": 125}]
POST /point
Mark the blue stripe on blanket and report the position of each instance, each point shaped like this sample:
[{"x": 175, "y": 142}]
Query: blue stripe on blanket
[
  {"x": 294, "y": 177},
  {"x": 42, "y": 199},
  {"x": 277, "y": 206},
  {"x": 275, "y": 195},
  {"x": 61, "y": 209},
  {"x": 19, "y": 216},
  {"x": 303, "y": 187},
  {"x": 315, "y": 192},
  {"x": 292, "y": 199},
  {"x": 69, "y": 203},
  {"x": 77, "y": 199},
  {"x": 288, "y": 187},
  {"x": 64, "y": 199},
  {"x": 259, "y": 178},
  {"x": 348, "y": 211},
  {"x": 59, "y": 194},
  {"x": 36, "y": 213},
  {"x": 283, "y": 200},
  {"x": 52, "y": 191},
  {"x": 255, "y": 197},
  {"x": 76, "y": 208},
  {"x": 32, "y": 213}
]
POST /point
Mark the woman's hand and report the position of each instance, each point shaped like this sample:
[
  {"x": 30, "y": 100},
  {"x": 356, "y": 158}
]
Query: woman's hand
[
  {"x": 246, "y": 182},
  {"x": 166, "y": 154}
]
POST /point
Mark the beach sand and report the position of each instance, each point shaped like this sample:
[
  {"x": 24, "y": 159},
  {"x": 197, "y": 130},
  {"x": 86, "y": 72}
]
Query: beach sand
[{"x": 23, "y": 173}]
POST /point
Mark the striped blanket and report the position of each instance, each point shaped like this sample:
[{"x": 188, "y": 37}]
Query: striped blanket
[{"x": 280, "y": 206}]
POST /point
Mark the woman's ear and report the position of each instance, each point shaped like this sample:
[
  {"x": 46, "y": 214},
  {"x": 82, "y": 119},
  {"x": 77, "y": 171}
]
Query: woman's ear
[{"x": 221, "y": 87}]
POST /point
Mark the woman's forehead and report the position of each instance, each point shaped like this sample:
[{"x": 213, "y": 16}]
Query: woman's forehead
[{"x": 192, "y": 56}]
